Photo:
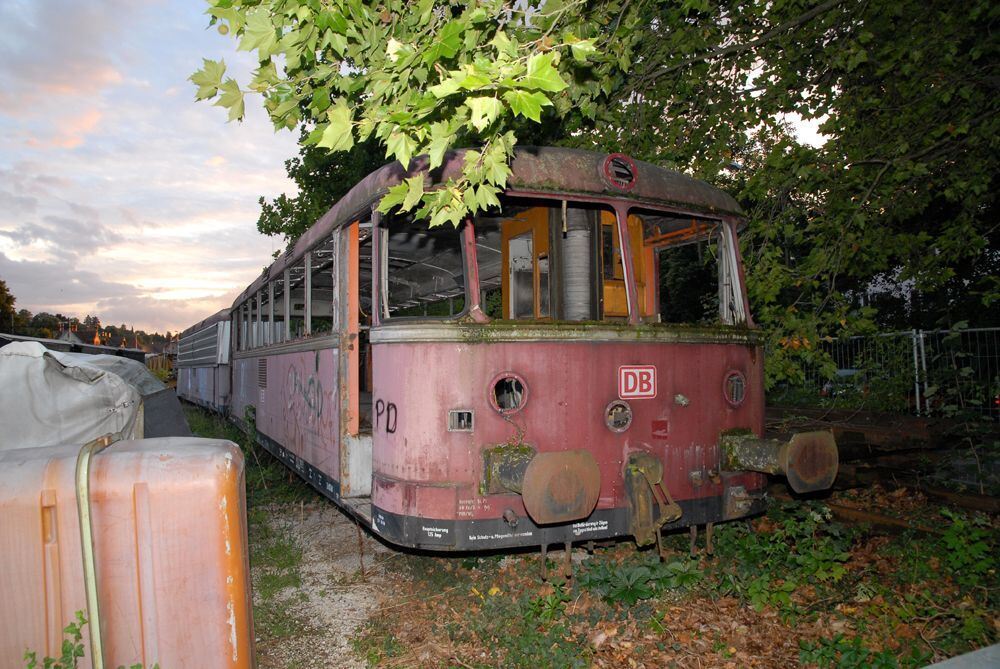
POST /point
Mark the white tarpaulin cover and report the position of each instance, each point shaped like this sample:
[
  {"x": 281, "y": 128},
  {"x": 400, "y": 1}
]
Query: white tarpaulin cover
[
  {"x": 132, "y": 371},
  {"x": 49, "y": 398}
]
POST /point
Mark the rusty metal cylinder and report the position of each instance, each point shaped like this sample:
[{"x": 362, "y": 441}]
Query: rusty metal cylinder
[
  {"x": 556, "y": 486},
  {"x": 578, "y": 294},
  {"x": 809, "y": 460}
]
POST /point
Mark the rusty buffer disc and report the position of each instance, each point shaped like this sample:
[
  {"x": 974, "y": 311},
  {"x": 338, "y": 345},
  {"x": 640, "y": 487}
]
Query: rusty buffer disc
[
  {"x": 561, "y": 486},
  {"x": 812, "y": 461}
]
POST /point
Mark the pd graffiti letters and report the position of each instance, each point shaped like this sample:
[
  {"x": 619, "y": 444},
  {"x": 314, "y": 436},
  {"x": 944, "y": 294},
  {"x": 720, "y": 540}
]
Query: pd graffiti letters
[{"x": 387, "y": 409}]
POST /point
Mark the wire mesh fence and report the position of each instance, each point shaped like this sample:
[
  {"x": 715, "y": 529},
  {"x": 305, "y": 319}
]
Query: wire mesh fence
[{"x": 926, "y": 372}]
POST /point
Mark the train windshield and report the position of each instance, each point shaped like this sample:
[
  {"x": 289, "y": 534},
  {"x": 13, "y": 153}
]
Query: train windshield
[
  {"x": 541, "y": 261},
  {"x": 696, "y": 264},
  {"x": 536, "y": 264}
]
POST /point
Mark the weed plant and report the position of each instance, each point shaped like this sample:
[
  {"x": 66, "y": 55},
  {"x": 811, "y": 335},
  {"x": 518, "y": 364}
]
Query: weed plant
[
  {"x": 766, "y": 568},
  {"x": 642, "y": 578},
  {"x": 72, "y": 650},
  {"x": 524, "y": 632},
  {"x": 839, "y": 652},
  {"x": 948, "y": 583}
]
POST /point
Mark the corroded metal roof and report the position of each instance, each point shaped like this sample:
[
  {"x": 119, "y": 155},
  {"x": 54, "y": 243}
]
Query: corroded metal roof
[
  {"x": 222, "y": 315},
  {"x": 534, "y": 171}
]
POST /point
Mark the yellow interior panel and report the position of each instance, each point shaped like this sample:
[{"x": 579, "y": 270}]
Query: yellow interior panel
[{"x": 536, "y": 222}]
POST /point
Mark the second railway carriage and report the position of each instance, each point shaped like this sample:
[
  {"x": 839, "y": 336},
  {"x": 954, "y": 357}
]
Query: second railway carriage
[
  {"x": 578, "y": 364},
  {"x": 203, "y": 374}
]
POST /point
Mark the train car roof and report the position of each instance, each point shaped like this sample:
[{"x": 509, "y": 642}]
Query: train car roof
[
  {"x": 221, "y": 315},
  {"x": 535, "y": 170}
]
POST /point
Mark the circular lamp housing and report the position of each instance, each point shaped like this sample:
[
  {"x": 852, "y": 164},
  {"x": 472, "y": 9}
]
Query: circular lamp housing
[
  {"x": 735, "y": 388},
  {"x": 508, "y": 393},
  {"x": 618, "y": 416}
]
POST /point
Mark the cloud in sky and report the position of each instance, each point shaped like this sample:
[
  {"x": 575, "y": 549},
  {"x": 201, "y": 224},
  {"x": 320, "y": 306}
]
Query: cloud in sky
[
  {"x": 119, "y": 195},
  {"x": 61, "y": 48}
]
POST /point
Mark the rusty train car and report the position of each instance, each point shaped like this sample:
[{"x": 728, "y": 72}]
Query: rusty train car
[{"x": 531, "y": 377}]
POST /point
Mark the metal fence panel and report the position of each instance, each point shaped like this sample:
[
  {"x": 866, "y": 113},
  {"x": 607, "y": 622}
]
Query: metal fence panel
[{"x": 932, "y": 372}]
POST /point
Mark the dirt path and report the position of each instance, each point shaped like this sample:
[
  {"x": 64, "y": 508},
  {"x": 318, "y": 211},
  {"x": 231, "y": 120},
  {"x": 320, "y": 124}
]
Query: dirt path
[{"x": 335, "y": 595}]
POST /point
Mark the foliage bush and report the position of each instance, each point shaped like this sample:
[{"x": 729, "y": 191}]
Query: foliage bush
[
  {"x": 839, "y": 652},
  {"x": 967, "y": 548},
  {"x": 524, "y": 632},
  {"x": 629, "y": 583},
  {"x": 765, "y": 568}
]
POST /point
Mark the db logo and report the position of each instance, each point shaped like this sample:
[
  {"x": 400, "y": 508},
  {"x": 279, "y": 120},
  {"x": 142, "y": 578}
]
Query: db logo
[{"x": 637, "y": 382}]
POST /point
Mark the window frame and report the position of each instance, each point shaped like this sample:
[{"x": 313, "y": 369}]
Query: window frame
[
  {"x": 734, "y": 306},
  {"x": 380, "y": 276}
]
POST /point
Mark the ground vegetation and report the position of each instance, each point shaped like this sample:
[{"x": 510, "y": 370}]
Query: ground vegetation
[{"x": 794, "y": 587}]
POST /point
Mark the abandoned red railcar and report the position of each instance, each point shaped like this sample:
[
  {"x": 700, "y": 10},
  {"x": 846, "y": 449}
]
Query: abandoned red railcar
[{"x": 578, "y": 364}]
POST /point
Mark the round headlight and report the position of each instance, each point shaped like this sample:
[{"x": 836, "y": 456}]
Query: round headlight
[{"x": 735, "y": 388}]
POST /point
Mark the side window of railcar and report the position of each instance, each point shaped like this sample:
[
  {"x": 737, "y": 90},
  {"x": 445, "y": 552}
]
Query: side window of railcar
[
  {"x": 424, "y": 269},
  {"x": 264, "y": 322},
  {"x": 238, "y": 327},
  {"x": 251, "y": 319},
  {"x": 297, "y": 299},
  {"x": 277, "y": 288},
  {"x": 244, "y": 314},
  {"x": 321, "y": 289}
]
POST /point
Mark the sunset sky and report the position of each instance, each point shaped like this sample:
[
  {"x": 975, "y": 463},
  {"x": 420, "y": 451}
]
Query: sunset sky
[{"x": 119, "y": 195}]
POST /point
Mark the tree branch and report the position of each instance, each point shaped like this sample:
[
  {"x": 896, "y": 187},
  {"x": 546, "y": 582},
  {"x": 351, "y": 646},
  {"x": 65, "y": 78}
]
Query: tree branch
[
  {"x": 770, "y": 34},
  {"x": 922, "y": 153}
]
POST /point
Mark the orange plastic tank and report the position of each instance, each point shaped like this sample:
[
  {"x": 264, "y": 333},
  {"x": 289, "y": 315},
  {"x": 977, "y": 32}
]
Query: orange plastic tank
[{"x": 170, "y": 553}]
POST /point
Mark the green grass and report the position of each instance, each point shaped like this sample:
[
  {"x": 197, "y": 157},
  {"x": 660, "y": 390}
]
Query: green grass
[
  {"x": 276, "y": 560},
  {"x": 375, "y": 646}
]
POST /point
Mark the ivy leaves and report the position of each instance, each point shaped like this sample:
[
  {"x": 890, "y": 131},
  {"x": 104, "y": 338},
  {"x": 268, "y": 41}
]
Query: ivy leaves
[{"x": 420, "y": 79}]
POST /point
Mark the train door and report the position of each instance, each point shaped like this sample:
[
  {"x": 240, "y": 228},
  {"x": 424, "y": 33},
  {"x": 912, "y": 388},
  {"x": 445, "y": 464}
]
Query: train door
[
  {"x": 525, "y": 257},
  {"x": 355, "y": 285},
  {"x": 613, "y": 272}
]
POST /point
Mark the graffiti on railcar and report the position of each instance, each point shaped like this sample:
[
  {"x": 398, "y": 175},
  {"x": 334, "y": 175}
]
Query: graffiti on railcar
[
  {"x": 304, "y": 393},
  {"x": 385, "y": 416}
]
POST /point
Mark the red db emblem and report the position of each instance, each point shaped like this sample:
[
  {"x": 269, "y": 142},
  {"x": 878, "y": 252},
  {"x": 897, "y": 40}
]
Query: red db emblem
[{"x": 637, "y": 382}]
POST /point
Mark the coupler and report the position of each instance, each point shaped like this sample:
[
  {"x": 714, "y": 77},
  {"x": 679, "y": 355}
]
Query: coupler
[{"x": 809, "y": 460}]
